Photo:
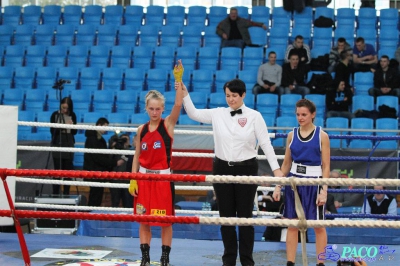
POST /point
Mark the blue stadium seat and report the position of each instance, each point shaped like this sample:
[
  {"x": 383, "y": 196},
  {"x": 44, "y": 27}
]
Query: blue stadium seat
[
  {"x": 121, "y": 56},
  {"x": 288, "y": 103},
  {"x": 267, "y": 104},
  {"x": 322, "y": 36},
  {"x": 367, "y": 17},
  {"x": 44, "y": 117},
  {"x": 78, "y": 56},
  {"x": 345, "y": 17},
  {"x": 175, "y": 16},
  {"x": 260, "y": 14},
  {"x": 222, "y": 76},
  {"x": 157, "y": 79},
  {"x": 188, "y": 55},
  {"x": 35, "y": 55},
  {"x": 258, "y": 36},
  {"x": 127, "y": 35},
  {"x": 93, "y": 15},
  {"x": 35, "y": 100},
  {"x": 243, "y": 11},
  {"x": 336, "y": 123},
  {"x": 363, "y": 81},
  {"x": 286, "y": 122},
  {"x": 211, "y": 38},
  {"x": 217, "y": 99},
  {"x": 155, "y": 15},
  {"x": 6, "y": 77},
  {"x": 142, "y": 57},
  {"x": 391, "y": 101},
  {"x": 365, "y": 124},
  {"x": 304, "y": 18},
  {"x": 387, "y": 124},
  {"x": 216, "y": 14},
  {"x": 389, "y": 51},
  {"x": 90, "y": 78},
  {"x": 389, "y": 17},
  {"x": 126, "y": 101},
  {"x": 72, "y": 15},
  {"x": 192, "y": 36},
  {"x": 56, "y": 56},
  {"x": 24, "y": 132},
  {"x": 32, "y": 15},
  {"x": 170, "y": 36},
  {"x": 92, "y": 117},
  {"x": 388, "y": 38},
  {"x": 202, "y": 80},
  {"x": 103, "y": 101},
  {"x": 196, "y": 16},
  {"x": 81, "y": 96},
  {"x": 249, "y": 77},
  {"x": 107, "y": 35},
  {"x": 6, "y": 34},
  {"x": 325, "y": 12},
  {"x": 185, "y": 120},
  {"x": 252, "y": 58},
  {"x": 231, "y": 58},
  {"x": 65, "y": 35},
  {"x": 134, "y": 15},
  {"x": 24, "y": 77},
  {"x": 169, "y": 101},
  {"x": 149, "y": 35},
  {"x": 319, "y": 101},
  {"x": 164, "y": 57},
  {"x": 113, "y": 15},
  {"x": 270, "y": 121},
  {"x": 44, "y": 35},
  {"x": 139, "y": 119},
  {"x": 86, "y": 35},
  {"x": 281, "y": 18},
  {"x": 112, "y": 79},
  {"x": 278, "y": 36},
  {"x": 14, "y": 97},
  {"x": 99, "y": 56},
  {"x": 12, "y": 15},
  {"x": 71, "y": 74},
  {"x": 364, "y": 102},
  {"x": 208, "y": 58},
  {"x": 52, "y": 15},
  {"x": 118, "y": 119},
  {"x": 346, "y": 32},
  {"x": 199, "y": 99},
  {"x": 249, "y": 100},
  {"x": 45, "y": 77},
  {"x": 23, "y": 35},
  {"x": 134, "y": 79}
]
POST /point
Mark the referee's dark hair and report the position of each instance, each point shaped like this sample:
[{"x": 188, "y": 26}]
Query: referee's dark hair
[{"x": 236, "y": 85}]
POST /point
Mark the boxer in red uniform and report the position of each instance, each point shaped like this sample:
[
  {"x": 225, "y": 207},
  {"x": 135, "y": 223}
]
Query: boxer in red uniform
[{"x": 153, "y": 155}]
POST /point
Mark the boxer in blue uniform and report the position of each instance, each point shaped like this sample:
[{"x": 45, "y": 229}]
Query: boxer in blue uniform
[{"x": 307, "y": 155}]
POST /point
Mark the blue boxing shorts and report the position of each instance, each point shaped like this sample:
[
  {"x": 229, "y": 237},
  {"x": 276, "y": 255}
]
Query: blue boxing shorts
[{"x": 308, "y": 197}]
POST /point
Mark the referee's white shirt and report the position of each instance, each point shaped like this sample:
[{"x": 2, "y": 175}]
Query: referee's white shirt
[{"x": 235, "y": 137}]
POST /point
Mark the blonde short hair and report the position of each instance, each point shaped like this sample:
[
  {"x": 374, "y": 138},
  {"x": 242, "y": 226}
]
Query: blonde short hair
[{"x": 153, "y": 94}]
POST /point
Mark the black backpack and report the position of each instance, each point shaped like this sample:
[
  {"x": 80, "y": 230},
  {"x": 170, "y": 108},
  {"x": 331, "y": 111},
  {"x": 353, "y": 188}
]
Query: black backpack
[{"x": 320, "y": 83}]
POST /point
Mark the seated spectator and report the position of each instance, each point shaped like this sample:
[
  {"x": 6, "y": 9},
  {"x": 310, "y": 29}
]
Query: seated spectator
[
  {"x": 212, "y": 199},
  {"x": 293, "y": 77},
  {"x": 345, "y": 199},
  {"x": 234, "y": 30},
  {"x": 386, "y": 80},
  {"x": 334, "y": 55},
  {"x": 380, "y": 203},
  {"x": 364, "y": 56},
  {"x": 343, "y": 69},
  {"x": 267, "y": 203},
  {"x": 269, "y": 77},
  {"x": 338, "y": 101},
  {"x": 302, "y": 50}
]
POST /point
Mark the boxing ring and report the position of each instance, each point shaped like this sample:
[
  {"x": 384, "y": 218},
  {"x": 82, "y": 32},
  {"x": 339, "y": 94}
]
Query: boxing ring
[{"x": 200, "y": 218}]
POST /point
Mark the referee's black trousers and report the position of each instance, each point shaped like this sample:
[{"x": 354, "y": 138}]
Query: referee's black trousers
[{"x": 236, "y": 200}]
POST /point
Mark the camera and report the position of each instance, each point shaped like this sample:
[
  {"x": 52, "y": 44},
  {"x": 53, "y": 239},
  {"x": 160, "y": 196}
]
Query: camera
[{"x": 120, "y": 143}]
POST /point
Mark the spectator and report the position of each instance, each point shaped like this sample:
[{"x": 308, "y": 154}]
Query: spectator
[
  {"x": 345, "y": 199},
  {"x": 380, "y": 203},
  {"x": 98, "y": 161},
  {"x": 266, "y": 201},
  {"x": 234, "y": 30},
  {"x": 334, "y": 55},
  {"x": 120, "y": 194},
  {"x": 343, "y": 70},
  {"x": 397, "y": 56},
  {"x": 212, "y": 199},
  {"x": 302, "y": 50},
  {"x": 63, "y": 138},
  {"x": 386, "y": 80},
  {"x": 338, "y": 101},
  {"x": 293, "y": 75},
  {"x": 364, "y": 56},
  {"x": 269, "y": 77}
]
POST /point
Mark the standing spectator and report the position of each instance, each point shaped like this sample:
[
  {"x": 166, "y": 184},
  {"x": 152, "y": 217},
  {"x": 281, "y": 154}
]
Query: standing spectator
[
  {"x": 234, "y": 30},
  {"x": 237, "y": 129},
  {"x": 345, "y": 199},
  {"x": 386, "y": 80},
  {"x": 343, "y": 70},
  {"x": 269, "y": 77},
  {"x": 338, "y": 101},
  {"x": 334, "y": 55},
  {"x": 98, "y": 161},
  {"x": 307, "y": 155},
  {"x": 380, "y": 203},
  {"x": 364, "y": 56},
  {"x": 302, "y": 50},
  {"x": 63, "y": 138},
  {"x": 293, "y": 77},
  {"x": 120, "y": 194},
  {"x": 153, "y": 155}
]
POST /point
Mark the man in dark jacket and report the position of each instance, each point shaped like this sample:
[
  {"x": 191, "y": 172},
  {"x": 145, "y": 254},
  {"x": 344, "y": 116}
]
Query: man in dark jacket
[
  {"x": 97, "y": 161},
  {"x": 293, "y": 77},
  {"x": 234, "y": 30},
  {"x": 338, "y": 101},
  {"x": 386, "y": 80}
]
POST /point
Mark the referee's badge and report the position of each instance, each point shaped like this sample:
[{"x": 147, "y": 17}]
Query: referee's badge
[{"x": 242, "y": 121}]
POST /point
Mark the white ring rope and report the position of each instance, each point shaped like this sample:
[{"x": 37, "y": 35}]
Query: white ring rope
[{"x": 125, "y": 210}]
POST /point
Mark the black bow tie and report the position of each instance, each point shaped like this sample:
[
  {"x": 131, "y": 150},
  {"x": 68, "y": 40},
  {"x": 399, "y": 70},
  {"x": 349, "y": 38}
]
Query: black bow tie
[{"x": 238, "y": 111}]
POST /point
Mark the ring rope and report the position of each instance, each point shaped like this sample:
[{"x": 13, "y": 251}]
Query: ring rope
[{"x": 201, "y": 178}]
